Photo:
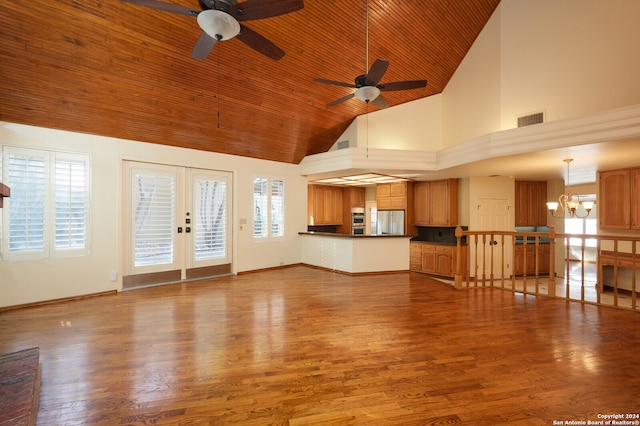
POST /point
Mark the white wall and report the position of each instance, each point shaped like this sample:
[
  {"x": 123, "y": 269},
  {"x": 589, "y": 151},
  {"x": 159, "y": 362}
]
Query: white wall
[
  {"x": 412, "y": 126},
  {"x": 33, "y": 281},
  {"x": 567, "y": 58},
  {"x": 570, "y": 58},
  {"x": 471, "y": 100}
]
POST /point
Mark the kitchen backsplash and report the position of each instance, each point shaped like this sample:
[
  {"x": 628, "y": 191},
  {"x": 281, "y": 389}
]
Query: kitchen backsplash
[{"x": 443, "y": 235}]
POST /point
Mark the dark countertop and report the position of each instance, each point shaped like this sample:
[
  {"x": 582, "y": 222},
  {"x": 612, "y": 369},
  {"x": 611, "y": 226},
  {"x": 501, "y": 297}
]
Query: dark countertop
[
  {"x": 336, "y": 235},
  {"x": 531, "y": 242},
  {"x": 439, "y": 243}
]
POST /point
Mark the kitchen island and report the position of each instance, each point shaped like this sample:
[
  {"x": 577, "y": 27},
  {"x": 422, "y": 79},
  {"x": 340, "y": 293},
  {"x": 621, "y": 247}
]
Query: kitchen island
[{"x": 356, "y": 254}]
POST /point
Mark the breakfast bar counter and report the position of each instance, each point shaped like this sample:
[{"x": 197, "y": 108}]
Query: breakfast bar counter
[{"x": 356, "y": 253}]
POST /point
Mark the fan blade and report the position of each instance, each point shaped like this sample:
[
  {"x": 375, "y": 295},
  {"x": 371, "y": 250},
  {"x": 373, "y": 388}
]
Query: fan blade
[
  {"x": 339, "y": 101},
  {"x": 402, "y": 85},
  {"x": 259, "y": 43},
  {"x": 252, "y": 10},
  {"x": 203, "y": 46},
  {"x": 380, "y": 102},
  {"x": 165, "y": 7},
  {"x": 335, "y": 83},
  {"x": 376, "y": 72}
]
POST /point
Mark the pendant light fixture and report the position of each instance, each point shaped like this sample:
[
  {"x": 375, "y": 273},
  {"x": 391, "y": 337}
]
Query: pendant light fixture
[{"x": 568, "y": 203}]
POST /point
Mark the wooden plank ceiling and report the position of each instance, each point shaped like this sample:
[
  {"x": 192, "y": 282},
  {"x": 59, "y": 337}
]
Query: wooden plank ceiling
[{"x": 115, "y": 69}]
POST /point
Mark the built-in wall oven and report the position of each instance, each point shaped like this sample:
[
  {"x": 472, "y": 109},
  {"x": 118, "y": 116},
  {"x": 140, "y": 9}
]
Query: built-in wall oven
[{"x": 357, "y": 221}]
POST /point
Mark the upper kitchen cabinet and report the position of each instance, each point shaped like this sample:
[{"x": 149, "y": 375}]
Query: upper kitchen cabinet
[
  {"x": 393, "y": 196},
  {"x": 531, "y": 203},
  {"x": 436, "y": 203},
  {"x": 354, "y": 197},
  {"x": 324, "y": 205},
  {"x": 619, "y": 199}
]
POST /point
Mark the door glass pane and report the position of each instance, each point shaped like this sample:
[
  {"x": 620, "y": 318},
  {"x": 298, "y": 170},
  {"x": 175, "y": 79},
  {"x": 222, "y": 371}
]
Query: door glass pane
[
  {"x": 153, "y": 203},
  {"x": 210, "y": 219}
]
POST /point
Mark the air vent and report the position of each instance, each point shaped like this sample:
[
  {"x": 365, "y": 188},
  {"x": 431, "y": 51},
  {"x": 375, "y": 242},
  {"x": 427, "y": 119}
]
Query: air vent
[
  {"x": 528, "y": 120},
  {"x": 343, "y": 144}
]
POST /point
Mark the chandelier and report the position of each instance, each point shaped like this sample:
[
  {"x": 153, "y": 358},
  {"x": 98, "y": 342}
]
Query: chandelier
[{"x": 568, "y": 203}]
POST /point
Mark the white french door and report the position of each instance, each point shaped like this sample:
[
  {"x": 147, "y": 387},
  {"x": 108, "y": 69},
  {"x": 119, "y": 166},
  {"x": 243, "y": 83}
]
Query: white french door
[{"x": 177, "y": 223}]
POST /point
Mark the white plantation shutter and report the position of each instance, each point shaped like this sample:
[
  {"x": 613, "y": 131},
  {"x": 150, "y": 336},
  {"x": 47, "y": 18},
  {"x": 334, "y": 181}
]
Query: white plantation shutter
[
  {"x": 47, "y": 213},
  {"x": 268, "y": 207},
  {"x": 27, "y": 178},
  {"x": 260, "y": 203},
  {"x": 277, "y": 208},
  {"x": 210, "y": 219},
  {"x": 71, "y": 203},
  {"x": 153, "y": 200}
]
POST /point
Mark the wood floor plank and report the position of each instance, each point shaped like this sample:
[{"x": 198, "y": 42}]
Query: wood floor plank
[{"x": 302, "y": 346}]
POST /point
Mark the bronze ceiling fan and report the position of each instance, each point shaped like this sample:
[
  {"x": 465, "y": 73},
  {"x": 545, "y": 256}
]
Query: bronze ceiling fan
[
  {"x": 368, "y": 86},
  {"x": 220, "y": 20}
]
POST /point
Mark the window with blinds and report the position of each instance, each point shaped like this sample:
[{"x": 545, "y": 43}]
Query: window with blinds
[
  {"x": 268, "y": 207},
  {"x": 48, "y": 210},
  {"x": 277, "y": 208},
  {"x": 70, "y": 201}
]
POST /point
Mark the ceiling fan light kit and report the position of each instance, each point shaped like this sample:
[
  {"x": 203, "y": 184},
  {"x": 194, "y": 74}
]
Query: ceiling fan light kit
[
  {"x": 218, "y": 24},
  {"x": 367, "y": 93}
]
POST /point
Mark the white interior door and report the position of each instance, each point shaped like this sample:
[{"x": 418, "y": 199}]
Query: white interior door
[
  {"x": 177, "y": 223},
  {"x": 493, "y": 215}
]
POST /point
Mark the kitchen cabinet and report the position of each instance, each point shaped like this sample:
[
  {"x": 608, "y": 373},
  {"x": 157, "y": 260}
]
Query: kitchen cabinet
[
  {"x": 436, "y": 259},
  {"x": 324, "y": 205},
  {"x": 353, "y": 197},
  {"x": 519, "y": 255},
  {"x": 530, "y": 203},
  {"x": 415, "y": 257},
  {"x": 392, "y": 196},
  {"x": 619, "y": 199},
  {"x": 436, "y": 203}
]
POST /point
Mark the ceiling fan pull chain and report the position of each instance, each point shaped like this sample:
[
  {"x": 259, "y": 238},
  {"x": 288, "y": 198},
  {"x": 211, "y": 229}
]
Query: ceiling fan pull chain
[{"x": 367, "y": 112}]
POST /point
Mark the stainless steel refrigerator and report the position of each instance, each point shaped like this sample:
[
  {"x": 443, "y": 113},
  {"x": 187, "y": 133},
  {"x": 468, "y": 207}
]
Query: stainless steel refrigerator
[{"x": 390, "y": 222}]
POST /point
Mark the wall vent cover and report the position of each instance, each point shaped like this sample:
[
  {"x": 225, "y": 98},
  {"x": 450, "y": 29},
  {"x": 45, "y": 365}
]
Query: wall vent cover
[
  {"x": 529, "y": 119},
  {"x": 343, "y": 144}
]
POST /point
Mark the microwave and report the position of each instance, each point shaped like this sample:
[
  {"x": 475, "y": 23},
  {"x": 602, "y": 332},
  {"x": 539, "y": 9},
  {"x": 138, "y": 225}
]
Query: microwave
[{"x": 357, "y": 219}]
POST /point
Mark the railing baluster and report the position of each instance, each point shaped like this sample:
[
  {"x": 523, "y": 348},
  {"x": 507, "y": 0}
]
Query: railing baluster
[
  {"x": 551, "y": 290},
  {"x": 599, "y": 277},
  {"x": 615, "y": 273},
  {"x": 582, "y": 271},
  {"x": 536, "y": 264},
  {"x": 567, "y": 290},
  {"x": 633, "y": 275}
]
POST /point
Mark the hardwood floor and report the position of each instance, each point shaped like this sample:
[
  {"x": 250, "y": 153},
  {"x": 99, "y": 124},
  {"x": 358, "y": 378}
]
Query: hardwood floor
[{"x": 301, "y": 346}]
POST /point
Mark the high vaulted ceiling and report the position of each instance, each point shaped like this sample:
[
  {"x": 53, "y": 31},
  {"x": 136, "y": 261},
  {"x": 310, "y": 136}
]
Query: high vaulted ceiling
[{"x": 115, "y": 69}]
